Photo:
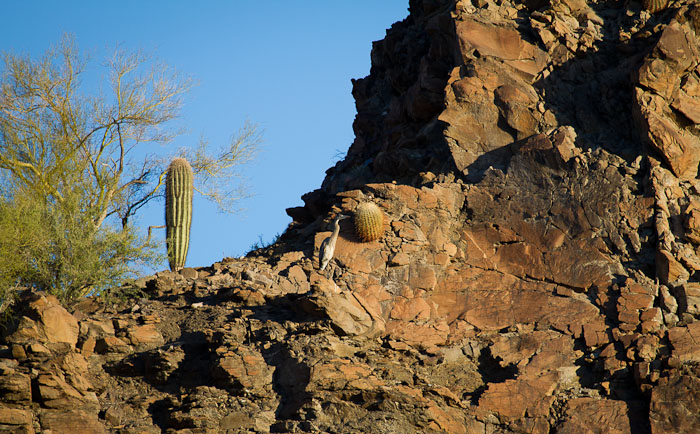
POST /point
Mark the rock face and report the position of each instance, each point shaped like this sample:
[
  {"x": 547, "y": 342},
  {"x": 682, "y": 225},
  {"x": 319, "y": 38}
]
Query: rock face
[{"x": 536, "y": 165}]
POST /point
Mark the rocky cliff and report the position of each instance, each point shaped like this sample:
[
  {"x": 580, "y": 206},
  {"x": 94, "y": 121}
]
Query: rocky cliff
[{"x": 537, "y": 166}]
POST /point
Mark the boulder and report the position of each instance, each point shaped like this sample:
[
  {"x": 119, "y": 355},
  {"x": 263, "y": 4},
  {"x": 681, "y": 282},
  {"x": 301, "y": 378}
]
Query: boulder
[{"x": 43, "y": 319}]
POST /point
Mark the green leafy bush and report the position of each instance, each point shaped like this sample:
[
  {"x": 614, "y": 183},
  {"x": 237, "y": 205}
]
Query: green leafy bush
[{"x": 57, "y": 248}]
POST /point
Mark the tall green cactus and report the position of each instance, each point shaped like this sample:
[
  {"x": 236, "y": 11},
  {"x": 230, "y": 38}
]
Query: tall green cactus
[{"x": 178, "y": 211}]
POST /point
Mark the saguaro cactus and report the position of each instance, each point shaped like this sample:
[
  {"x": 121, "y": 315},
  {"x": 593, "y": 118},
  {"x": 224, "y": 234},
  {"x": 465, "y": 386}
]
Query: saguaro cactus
[{"x": 178, "y": 211}]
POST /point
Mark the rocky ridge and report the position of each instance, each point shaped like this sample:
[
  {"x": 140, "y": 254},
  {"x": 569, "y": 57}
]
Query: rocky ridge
[{"x": 537, "y": 166}]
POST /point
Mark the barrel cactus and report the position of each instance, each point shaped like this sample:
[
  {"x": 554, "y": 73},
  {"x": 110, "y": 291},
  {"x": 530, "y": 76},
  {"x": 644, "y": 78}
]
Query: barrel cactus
[
  {"x": 369, "y": 221},
  {"x": 178, "y": 211},
  {"x": 654, "y": 6}
]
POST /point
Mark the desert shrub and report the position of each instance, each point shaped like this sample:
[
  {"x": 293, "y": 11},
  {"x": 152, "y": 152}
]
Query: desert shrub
[{"x": 57, "y": 248}]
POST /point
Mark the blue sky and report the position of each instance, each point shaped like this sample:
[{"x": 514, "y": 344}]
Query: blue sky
[{"x": 283, "y": 65}]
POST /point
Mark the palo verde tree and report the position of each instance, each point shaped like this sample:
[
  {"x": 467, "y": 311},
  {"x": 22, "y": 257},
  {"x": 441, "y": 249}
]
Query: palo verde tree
[{"x": 68, "y": 173}]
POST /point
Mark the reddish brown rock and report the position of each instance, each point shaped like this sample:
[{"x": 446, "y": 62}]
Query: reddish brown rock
[
  {"x": 189, "y": 273},
  {"x": 399, "y": 259},
  {"x": 556, "y": 355},
  {"x": 220, "y": 281},
  {"x": 513, "y": 399},
  {"x": 15, "y": 387},
  {"x": 688, "y": 297},
  {"x": 45, "y": 320},
  {"x": 243, "y": 368},
  {"x": 74, "y": 421},
  {"x": 145, "y": 336},
  {"x": 298, "y": 277},
  {"x": 95, "y": 328},
  {"x": 647, "y": 347},
  {"x": 669, "y": 302},
  {"x": 16, "y": 421},
  {"x": 516, "y": 107},
  {"x": 55, "y": 392},
  {"x": 593, "y": 415},
  {"x": 349, "y": 313},
  {"x": 595, "y": 334},
  {"x": 684, "y": 343},
  {"x": 635, "y": 301},
  {"x": 410, "y": 309},
  {"x": 675, "y": 402},
  {"x": 470, "y": 118},
  {"x": 422, "y": 277},
  {"x": 503, "y": 43},
  {"x": 419, "y": 335},
  {"x": 494, "y": 310},
  {"x": 450, "y": 420},
  {"x": 338, "y": 374},
  {"x": 693, "y": 225},
  {"x": 665, "y": 71},
  {"x": 112, "y": 344},
  {"x": 536, "y": 353},
  {"x": 669, "y": 269}
]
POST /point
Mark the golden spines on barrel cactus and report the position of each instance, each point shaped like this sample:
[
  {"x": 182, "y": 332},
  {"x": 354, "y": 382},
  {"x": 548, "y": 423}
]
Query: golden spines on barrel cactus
[
  {"x": 369, "y": 221},
  {"x": 654, "y": 6},
  {"x": 178, "y": 211}
]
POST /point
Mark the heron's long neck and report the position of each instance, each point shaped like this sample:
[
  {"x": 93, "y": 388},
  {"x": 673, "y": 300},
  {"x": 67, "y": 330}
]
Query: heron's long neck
[{"x": 336, "y": 229}]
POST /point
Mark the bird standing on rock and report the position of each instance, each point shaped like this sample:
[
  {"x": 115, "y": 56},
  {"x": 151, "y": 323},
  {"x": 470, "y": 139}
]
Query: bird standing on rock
[{"x": 328, "y": 245}]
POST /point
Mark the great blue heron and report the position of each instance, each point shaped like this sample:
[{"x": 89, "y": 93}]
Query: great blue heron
[{"x": 325, "y": 254}]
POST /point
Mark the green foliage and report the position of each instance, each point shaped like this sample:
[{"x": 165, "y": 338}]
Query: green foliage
[
  {"x": 56, "y": 248},
  {"x": 178, "y": 211}
]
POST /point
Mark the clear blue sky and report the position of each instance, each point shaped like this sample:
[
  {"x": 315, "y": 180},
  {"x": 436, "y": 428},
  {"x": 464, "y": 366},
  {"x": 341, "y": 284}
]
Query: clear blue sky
[{"x": 281, "y": 64}]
